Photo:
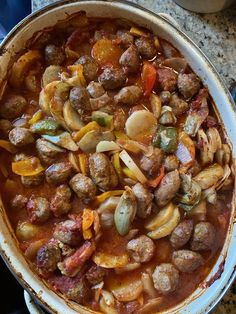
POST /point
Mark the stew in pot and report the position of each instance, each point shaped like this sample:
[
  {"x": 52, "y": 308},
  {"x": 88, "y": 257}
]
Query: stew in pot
[{"x": 115, "y": 171}]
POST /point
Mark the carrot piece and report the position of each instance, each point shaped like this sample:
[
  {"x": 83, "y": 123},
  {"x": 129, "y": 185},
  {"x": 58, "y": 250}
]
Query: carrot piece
[
  {"x": 83, "y": 163},
  {"x": 102, "y": 197},
  {"x": 155, "y": 182}
]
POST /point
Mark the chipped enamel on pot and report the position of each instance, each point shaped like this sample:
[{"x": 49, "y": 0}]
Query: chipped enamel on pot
[{"x": 223, "y": 273}]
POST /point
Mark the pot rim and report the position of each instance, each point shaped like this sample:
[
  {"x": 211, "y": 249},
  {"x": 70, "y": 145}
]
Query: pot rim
[{"x": 30, "y": 18}]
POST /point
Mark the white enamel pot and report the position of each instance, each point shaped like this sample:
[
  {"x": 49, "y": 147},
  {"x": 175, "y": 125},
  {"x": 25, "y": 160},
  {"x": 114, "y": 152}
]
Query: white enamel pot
[{"x": 223, "y": 273}]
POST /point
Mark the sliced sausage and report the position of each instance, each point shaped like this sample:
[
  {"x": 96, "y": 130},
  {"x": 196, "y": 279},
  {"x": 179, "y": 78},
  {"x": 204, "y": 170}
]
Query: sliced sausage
[
  {"x": 31, "y": 181},
  {"x": 144, "y": 200},
  {"x": 112, "y": 78},
  {"x": 167, "y": 79},
  {"x": 19, "y": 202},
  {"x": 181, "y": 234},
  {"x": 90, "y": 67},
  {"x": 151, "y": 164},
  {"x": 102, "y": 171},
  {"x": 13, "y": 106},
  {"x": 38, "y": 209},
  {"x": 47, "y": 151},
  {"x": 58, "y": 173},
  {"x": 95, "y": 274},
  {"x": 20, "y": 137},
  {"x": 171, "y": 162},
  {"x": 145, "y": 47},
  {"x": 203, "y": 237},
  {"x": 60, "y": 203},
  {"x": 165, "y": 278},
  {"x": 95, "y": 89},
  {"x": 79, "y": 99},
  {"x": 188, "y": 84},
  {"x": 48, "y": 256},
  {"x": 54, "y": 55},
  {"x": 126, "y": 39},
  {"x": 128, "y": 95},
  {"x": 84, "y": 187},
  {"x": 187, "y": 261},
  {"x": 141, "y": 249},
  {"x": 168, "y": 188},
  {"x": 130, "y": 59},
  {"x": 178, "y": 105},
  {"x": 68, "y": 232}
]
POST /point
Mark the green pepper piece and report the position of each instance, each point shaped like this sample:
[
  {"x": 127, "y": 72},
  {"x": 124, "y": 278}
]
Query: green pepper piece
[
  {"x": 166, "y": 138},
  {"x": 102, "y": 118},
  {"x": 49, "y": 127}
]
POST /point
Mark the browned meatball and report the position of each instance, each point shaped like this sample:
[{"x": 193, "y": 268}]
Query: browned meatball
[
  {"x": 102, "y": 171},
  {"x": 141, "y": 249},
  {"x": 12, "y": 107},
  {"x": 104, "y": 102},
  {"x": 145, "y": 47},
  {"x": 151, "y": 164},
  {"x": 68, "y": 232},
  {"x": 58, "y": 173},
  {"x": 54, "y": 55},
  {"x": 130, "y": 59},
  {"x": 128, "y": 95},
  {"x": 178, "y": 105},
  {"x": 60, "y": 203},
  {"x": 144, "y": 200},
  {"x": 119, "y": 119},
  {"x": 20, "y": 137},
  {"x": 95, "y": 274},
  {"x": 112, "y": 78},
  {"x": 171, "y": 162},
  {"x": 30, "y": 181},
  {"x": 5, "y": 127},
  {"x": 19, "y": 202},
  {"x": 203, "y": 236},
  {"x": 188, "y": 85},
  {"x": 167, "y": 79},
  {"x": 47, "y": 151},
  {"x": 84, "y": 187},
  {"x": 187, "y": 261},
  {"x": 79, "y": 99},
  {"x": 165, "y": 97},
  {"x": 95, "y": 89},
  {"x": 90, "y": 67},
  {"x": 181, "y": 234},
  {"x": 38, "y": 209},
  {"x": 168, "y": 188},
  {"x": 48, "y": 256},
  {"x": 126, "y": 39},
  {"x": 165, "y": 278}
]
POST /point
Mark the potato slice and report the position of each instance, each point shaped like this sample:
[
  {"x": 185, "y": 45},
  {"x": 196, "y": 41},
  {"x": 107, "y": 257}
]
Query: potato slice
[
  {"x": 209, "y": 176},
  {"x": 167, "y": 228},
  {"x": 110, "y": 261},
  {"x": 45, "y": 96},
  {"x": 71, "y": 117},
  {"x": 161, "y": 218}
]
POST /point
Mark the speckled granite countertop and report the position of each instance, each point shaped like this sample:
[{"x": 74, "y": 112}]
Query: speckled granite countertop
[{"x": 215, "y": 34}]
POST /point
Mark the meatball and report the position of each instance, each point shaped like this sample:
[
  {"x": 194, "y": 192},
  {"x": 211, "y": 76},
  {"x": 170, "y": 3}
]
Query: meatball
[
  {"x": 145, "y": 47},
  {"x": 128, "y": 95},
  {"x": 144, "y": 200},
  {"x": 203, "y": 236},
  {"x": 102, "y": 171},
  {"x": 19, "y": 202},
  {"x": 168, "y": 188},
  {"x": 47, "y": 151},
  {"x": 68, "y": 232},
  {"x": 104, "y": 101},
  {"x": 5, "y": 127},
  {"x": 187, "y": 261},
  {"x": 130, "y": 59},
  {"x": 90, "y": 67},
  {"x": 51, "y": 73},
  {"x": 20, "y": 137},
  {"x": 38, "y": 209},
  {"x": 54, "y": 55},
  {"x": 188, "y": 85},
  {"x": 181, "y": 234},
  {"x": 165, "y": 97},
  {"x": 167, "y": 79},
  {"x": 171, "y": 163},
  {"x": 95, "y": 274},
  {"x": 126, "y": 39},
  {"x": 141, "y": 249},
  {"x": 165, "y": 278},
  {"x": 13, "y": 106},
  {"x": 58, "y": 173},
  {"x": 60, "y": 203},
  {"x": 119, "y": 119},
  {"x": 151, "y": 164},
  {"x": 178, "y": 105},
  {"x": 112, "y": 78},
  {"x": 31, "y": 181},
  {"x": 84, "y": 187},
  {"x": 95, "y": 89},
  {"x": 48, "y": 256},
  {"x": 79, "y": 99}
]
